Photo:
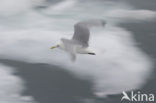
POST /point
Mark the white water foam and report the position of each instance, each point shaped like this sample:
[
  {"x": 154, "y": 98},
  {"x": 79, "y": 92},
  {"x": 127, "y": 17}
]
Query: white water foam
[
  {"x": 118, "y": 59},
  {"x": 11, "y": 87},
  {"x": 63, "y": 5}
]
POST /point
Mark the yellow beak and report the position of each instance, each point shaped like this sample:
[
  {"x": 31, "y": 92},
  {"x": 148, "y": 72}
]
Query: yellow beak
[{"x": 53, "y": 47}]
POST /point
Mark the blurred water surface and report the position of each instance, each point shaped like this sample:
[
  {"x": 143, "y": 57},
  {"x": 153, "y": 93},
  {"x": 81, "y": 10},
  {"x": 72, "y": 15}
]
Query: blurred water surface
[{"x": 125, "y": 49}]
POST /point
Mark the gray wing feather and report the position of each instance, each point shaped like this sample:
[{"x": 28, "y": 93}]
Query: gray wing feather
[
  {"x": 81, "y": 34},
  {"x": 73, "y": 54},
  {"x": 81, "y": 30},
  {"x": 70, "y": 46}
]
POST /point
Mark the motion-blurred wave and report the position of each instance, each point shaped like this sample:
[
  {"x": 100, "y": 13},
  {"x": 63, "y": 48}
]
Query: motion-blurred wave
[
  {"x": 11, "y": 87},
  {"x": 26, "y": 34}
]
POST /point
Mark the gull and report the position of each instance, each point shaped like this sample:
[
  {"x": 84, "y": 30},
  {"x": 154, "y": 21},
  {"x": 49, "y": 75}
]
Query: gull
[{"x": 79, "y": 42}]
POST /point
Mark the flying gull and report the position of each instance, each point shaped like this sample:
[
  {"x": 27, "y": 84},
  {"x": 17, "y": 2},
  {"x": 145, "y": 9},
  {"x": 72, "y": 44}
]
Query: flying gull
[{"x": 79, "y": 42}]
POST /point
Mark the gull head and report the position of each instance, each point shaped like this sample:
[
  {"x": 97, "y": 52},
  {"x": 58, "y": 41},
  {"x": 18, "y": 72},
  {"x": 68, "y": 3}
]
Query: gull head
[
  {"x": 56, "y": 46},
  {"x": 59, "y": 45}
]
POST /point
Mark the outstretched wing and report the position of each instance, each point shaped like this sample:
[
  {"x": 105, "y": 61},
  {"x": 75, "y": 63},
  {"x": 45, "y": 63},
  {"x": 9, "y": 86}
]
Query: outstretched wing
[
  {"x": 81, "y": 30},
  {"x": 70, "y": 47}
]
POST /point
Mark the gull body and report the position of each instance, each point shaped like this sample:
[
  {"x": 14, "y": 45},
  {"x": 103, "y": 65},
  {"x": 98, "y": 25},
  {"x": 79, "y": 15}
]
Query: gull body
[
  {"x": 79, "y": 42},
  {"x": 79, "y": 49}
]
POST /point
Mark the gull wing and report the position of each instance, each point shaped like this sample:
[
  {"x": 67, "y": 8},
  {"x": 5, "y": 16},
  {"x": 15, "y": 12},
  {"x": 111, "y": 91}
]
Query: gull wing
[
  {"x": 70, "y": 46},
  {"x": 82, "y": 32}
]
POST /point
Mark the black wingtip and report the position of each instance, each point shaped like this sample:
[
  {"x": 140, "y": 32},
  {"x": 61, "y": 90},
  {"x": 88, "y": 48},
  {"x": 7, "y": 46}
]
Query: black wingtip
[{"x": 91, "y": 53}]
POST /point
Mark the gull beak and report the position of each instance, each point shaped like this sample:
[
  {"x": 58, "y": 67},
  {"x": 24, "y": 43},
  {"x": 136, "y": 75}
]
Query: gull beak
[{"x": 53, "y": 47}]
